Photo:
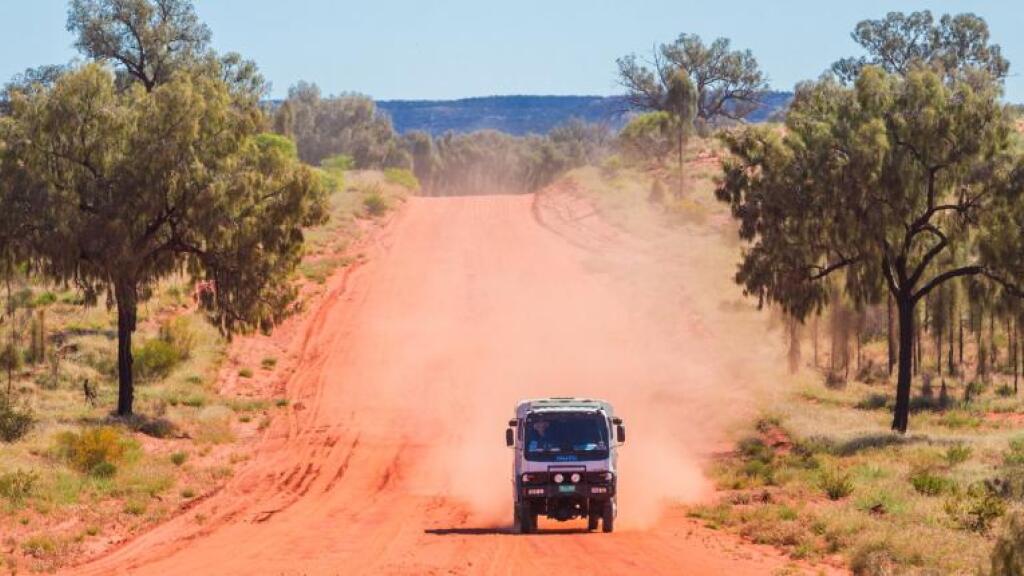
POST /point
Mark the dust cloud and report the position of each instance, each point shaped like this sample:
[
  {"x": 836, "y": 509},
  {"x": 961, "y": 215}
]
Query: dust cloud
[{"x": 654, "y": 325}]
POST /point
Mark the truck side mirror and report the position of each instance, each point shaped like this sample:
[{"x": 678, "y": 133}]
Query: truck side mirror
[
  {"x": 510, "y": 437},
  {"x": 620, "y": 433}
]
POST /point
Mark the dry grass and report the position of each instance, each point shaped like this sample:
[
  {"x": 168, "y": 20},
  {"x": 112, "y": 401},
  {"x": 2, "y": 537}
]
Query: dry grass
[{"x": 819, "y": 474}]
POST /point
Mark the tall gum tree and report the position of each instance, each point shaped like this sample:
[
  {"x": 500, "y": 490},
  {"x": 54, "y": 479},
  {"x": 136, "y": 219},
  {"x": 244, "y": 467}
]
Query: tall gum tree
[
  {"x": 897, "y": 184},
  {"x": 131, "y": 185}
]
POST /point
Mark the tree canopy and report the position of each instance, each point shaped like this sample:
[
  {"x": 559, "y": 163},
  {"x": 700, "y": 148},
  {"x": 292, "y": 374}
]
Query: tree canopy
[
  {"x": 347, "y": 124},
  {"x": 147, "y": 40},
  {"x": 115, "y": 179},
  {"x": 897, "y": 184},
  {"x": 901, "y": 41},
  {"x": 728, "y": 82}
]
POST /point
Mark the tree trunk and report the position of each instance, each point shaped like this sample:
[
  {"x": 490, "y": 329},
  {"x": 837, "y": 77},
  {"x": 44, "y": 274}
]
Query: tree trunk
[
  {"x": 915, "y": 342},
  {"x": 126, "y": 294},
  {"x": 679, "y": 189},
  {"x": 794, "y": 345},
  {"x": 814, "y": 330},
  {"x": 960, "y": 318},
  {"x": 9, "y": 353},
  {"x": 901, "y": 414},
  {"x": 890, "y": 335},
  {"x": 950, "y": 366},
  {"x": 994, "y": 359},
  {"x": 1016, "y": 352}
]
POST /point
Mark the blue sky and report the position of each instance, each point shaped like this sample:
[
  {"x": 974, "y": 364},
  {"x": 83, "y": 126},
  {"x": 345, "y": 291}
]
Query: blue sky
[{"x": 457, "y": 48}]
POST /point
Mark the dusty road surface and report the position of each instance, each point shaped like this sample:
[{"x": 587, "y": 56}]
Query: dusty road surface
[{"x": 391, "y": 459}]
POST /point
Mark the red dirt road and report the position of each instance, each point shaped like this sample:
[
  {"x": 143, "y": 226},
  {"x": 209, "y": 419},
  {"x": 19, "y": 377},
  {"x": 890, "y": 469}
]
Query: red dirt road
[{"x": 392, "y": 460}]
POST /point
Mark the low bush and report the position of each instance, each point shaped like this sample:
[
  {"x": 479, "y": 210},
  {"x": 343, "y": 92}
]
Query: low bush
[
  {"x": 268, "y": 363},
  {"x": 94, "y": 450},
  {"x": 958, "y": 454},
  {"x": 245, "y": 373},
  {"x": 154, "y": 359},
  {"x": 15, "y": 422},
  {"x": 874, "y": 559},
  {"x": 16, "y": 486},
  {"x": 836, "y": 483},
  {"x": 1015, "y": 455},
  {"x": 977, "y": 510},
  {"x": 873, "y": 401},
  {"x": 402, "y": 177},
  {"x": 375, "y": 203},
  {"x": 179, "y": 335},
  {"x": 1008, "y": 553},
  {"x": 929, "y": 483},
  {"x": 179, "y": 458},
  {"x": 11, "y": 358}
]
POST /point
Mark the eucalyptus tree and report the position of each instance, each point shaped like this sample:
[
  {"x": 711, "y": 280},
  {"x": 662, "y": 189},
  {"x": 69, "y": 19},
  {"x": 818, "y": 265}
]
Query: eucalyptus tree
[
  {"x": 146, "y": 40},
  {"x": 901, "y": 41},
  {"x": 693, "y": 83},
  {"x": 897, "y": 184},
  {"x": 729, "y": 83},
  {"x": 131, "y": 185}
]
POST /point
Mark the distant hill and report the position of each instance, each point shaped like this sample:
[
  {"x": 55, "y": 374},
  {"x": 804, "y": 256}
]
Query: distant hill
[{"x": 524, "y": 114}]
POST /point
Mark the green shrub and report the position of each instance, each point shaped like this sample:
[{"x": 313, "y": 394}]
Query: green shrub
[
  {"x": 18, "y": 485},
  {"x": 88, "y": 450},
  {"x": 179, "y": 458},
  {"x": 929, "y": 483},
  {"x": 40, "y": 546},
  {"x": 11, "y": 358},
  {"x": 154, "y": 359},
  {"x": 179, "y": 335},
  {"x": 836, "y": 483},
  {"x": 268, "y": 363},
  {"x": 340, "y": 163},
  {"x": 873, "y": 401},
  {"x": 375, "y": 204},
  {"x": 103, "y": 470},
  {"x": 958, "y": 454},
  {"x": 402, "y": 177},
  {"x": 874, "y": 559},
  {"x": 245, "y": 373},
  {"x": 15, "y": 422},
  {"x": 977, "y": 510},
  {"x": 188, "y": 493},
  {"x": 1008, "y": 553},
  {"x": 1015, "y": 455},
  {"x": 44, "y": 299}
]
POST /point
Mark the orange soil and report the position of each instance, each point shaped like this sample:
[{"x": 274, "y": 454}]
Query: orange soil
[{"x": 391, "y": 457}]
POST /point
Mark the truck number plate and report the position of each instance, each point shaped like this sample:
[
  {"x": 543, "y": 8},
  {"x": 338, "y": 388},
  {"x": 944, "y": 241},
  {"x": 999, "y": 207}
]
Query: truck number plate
[{"x": 568, "y": 488}]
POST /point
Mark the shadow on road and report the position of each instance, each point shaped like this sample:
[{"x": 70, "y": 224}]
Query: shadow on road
[{"x": 499, "y": 531}]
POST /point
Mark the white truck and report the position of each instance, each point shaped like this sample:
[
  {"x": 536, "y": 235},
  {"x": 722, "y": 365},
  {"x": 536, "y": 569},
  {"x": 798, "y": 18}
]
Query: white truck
[{"x": 565, "y": 461}]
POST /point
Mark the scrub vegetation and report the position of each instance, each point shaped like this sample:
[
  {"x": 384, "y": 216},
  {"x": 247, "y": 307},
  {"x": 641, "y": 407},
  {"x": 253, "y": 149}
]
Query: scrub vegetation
[{"x": 112, "y": 353}]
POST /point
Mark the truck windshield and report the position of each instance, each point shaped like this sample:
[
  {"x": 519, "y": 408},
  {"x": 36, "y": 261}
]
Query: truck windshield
[{"x": 566, "y": 436}]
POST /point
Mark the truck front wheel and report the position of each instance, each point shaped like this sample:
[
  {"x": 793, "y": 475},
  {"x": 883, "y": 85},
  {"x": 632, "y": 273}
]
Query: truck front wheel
[
  {"x": 525, "y": 520},
  {"x": 608, "y": 517}
]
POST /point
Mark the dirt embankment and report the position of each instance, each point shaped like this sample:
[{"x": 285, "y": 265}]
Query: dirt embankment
[{"x": 391, "y": 459}]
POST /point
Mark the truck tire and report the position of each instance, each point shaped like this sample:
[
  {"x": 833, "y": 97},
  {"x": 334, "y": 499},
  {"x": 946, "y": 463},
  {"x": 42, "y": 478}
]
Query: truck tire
[
  {"x": 608, "y": 517},
  {"x": 524, "y": 520},
  {"x": 592, "y": 519}
]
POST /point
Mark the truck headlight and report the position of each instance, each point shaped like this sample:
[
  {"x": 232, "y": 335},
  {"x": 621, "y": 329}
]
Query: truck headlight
[
  {"x": 575, "y": 477},
  {"x": 559, "y": 478}
]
